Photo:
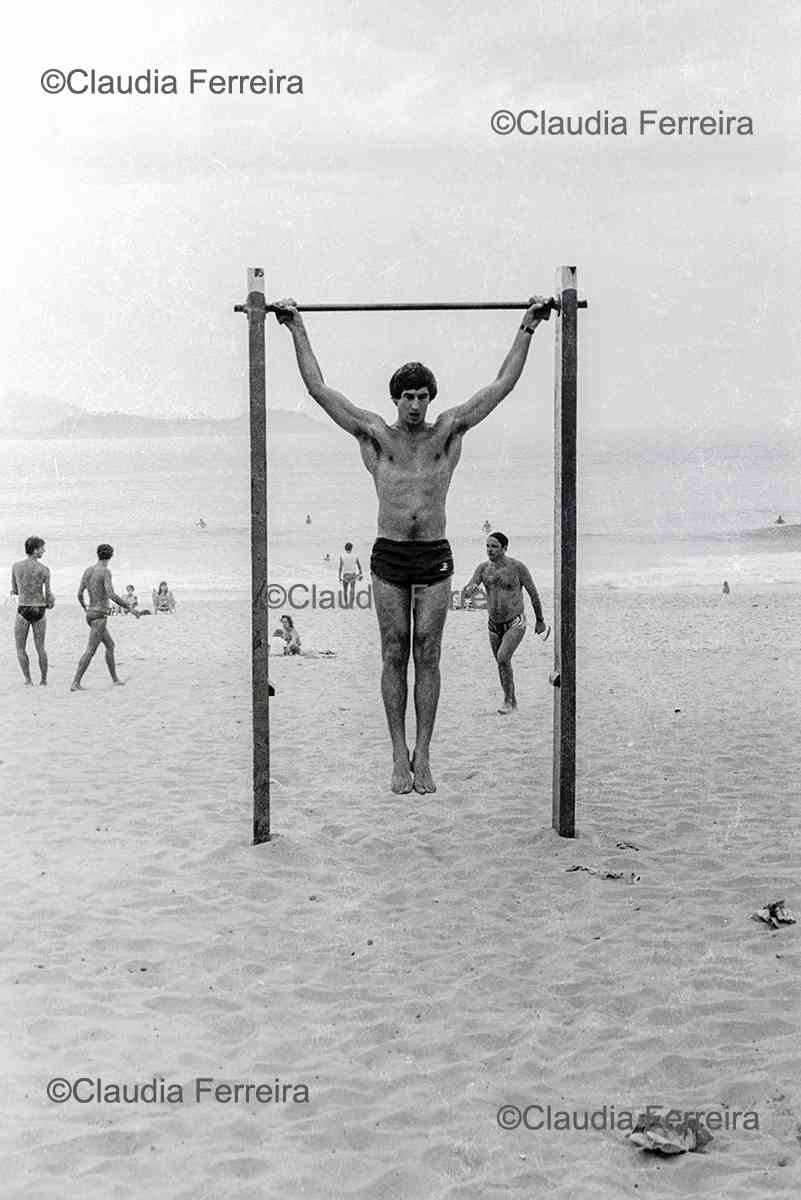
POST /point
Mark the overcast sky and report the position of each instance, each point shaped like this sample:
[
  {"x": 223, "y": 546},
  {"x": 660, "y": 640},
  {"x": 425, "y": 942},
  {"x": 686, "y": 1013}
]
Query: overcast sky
[{"x": 131, "y": 221}]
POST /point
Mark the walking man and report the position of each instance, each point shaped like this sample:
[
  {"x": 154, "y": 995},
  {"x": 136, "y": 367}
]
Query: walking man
[
  {"x": 411, "y": 463},
  {"x": 96, "y": 581},
  {"x": 504, "y": 580}
]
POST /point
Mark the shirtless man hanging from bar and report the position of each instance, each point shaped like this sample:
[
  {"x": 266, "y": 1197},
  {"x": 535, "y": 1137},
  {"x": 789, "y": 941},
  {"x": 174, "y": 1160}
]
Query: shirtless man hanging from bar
[{"x": 411, "y": 463}]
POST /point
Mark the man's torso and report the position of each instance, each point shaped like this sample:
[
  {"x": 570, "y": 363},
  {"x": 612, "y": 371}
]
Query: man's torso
[
  {"x": 412, "y": 473},
  {"x": 504, "y": 590},
  {"x": 30, "y": 578},
  {"x": 97, "y": 582}
]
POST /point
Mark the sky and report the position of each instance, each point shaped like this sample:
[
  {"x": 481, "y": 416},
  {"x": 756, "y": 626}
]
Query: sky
[{"x": 130, "y": 221}]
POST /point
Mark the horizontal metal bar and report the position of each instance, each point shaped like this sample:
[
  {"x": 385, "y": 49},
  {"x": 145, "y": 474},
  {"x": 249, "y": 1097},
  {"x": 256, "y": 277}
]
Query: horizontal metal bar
[{"x": 450, "y": 306}]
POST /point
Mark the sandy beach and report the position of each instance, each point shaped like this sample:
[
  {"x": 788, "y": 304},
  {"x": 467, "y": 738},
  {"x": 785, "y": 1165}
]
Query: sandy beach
[{"x": 414, "y": 962}]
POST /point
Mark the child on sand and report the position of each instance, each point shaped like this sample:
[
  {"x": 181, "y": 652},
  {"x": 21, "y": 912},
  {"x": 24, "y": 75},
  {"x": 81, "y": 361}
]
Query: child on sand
[{"x": 290, "y": 635}]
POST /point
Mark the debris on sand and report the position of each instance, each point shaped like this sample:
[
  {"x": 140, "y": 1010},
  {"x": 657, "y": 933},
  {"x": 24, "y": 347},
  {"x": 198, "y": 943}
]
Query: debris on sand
[
  {"x": 657, "y": 1133},
  {"x": 775, "y": 914},
  {"x": 627, "y": 876}
]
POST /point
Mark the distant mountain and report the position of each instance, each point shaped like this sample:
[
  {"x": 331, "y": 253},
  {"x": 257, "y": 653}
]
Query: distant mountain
[
  {"x": 127, "y": 425},
  {"x": 24, "y": 415},
  {"x": 280, "y": 422}
]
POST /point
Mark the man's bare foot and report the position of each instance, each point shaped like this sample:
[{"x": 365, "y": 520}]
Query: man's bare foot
[
  {"x": 76, "y": 687},
  {"x": 402, "y": 781},
  {"x": 507, "y": 707},
  {"x": 423, "y": 780},
  {"x": 42, "y": 683},
  {"x": 29, "y": 683},
  {"x": 118, "y": 682}
]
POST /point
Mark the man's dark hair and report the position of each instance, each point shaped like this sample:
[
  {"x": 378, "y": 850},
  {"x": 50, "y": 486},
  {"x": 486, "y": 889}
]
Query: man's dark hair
[
  {"x": 499, "y": 537},
  {"x": 412, "y": 375},
  {"x": 348, "y": 546},
  {"x": 33, "y": 543},
  {"x": 104, "y": 551}
]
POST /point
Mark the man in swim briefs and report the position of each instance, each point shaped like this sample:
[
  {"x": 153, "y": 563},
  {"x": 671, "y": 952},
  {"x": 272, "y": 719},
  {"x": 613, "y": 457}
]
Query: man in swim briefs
[
  {"x": 30, "y": 582},
  {"x": 96, "y": 580},
  {"x": 350, "y": 570},
  {"x": 411, "y": 463},
  {"x": 504, "y": 580}
]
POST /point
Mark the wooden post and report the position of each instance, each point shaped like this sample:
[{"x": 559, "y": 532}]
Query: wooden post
[
  {"x": 260, "y": 615},
  {"x": 564, "y": 675}
]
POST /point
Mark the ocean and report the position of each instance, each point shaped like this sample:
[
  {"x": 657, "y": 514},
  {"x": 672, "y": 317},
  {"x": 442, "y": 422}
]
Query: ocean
[{"x": 652, "y": 515}]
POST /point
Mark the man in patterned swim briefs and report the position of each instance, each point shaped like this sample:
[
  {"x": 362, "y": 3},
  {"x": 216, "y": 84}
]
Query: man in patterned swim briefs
[
  {"x": 96, "y": 581},
  {"x": 504, "y": 579},
  {"x": 411, "y": 463},
  {"x": 30, "y": 583}
]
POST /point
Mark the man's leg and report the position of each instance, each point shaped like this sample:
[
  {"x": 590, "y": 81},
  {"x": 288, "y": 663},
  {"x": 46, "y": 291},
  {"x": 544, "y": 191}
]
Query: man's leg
[
  {"x": 393, "y": 609},
  {"x": 430, "y": 608},
  {"x": 109, "y": 643},
  {"x": 508, "y": 644},
  {"x": 21, "y": 628},
  {"x": 39, "y": 631},
  {"x": 96, "y": 632}
]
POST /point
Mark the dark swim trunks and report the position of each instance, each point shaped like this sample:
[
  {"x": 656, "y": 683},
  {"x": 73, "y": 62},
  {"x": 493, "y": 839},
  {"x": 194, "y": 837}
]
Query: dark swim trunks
[
  {"x": 411, "y": 564},
  {"x": 31, "y": 612},
  {"x": 499, "y": 628}
]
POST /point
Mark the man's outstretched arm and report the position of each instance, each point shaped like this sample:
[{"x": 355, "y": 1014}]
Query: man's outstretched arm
[
  {"x": 112, "y": 595},
  {"x": 479, "y": 406},
  {"x": 357, "y": 421}
]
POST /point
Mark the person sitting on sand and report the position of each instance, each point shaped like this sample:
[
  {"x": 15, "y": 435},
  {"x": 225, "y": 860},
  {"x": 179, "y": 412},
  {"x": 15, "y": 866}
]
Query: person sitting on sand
[
  {"x": 290, "y": 635},
  {"x": 163, "y": 599},
  {"x": 780, "y": 519},
  {"x": 131, "y": 597},
  {"x": 30, "y": 583},
  {"x": 504, "y": 579},
  {"x": 96, "y": 580}
]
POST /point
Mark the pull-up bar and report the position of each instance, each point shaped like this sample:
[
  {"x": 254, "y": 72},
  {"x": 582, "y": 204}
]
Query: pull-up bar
[
  {"x": 565, "y": 303},
  {"x": 456, "y": 306}
]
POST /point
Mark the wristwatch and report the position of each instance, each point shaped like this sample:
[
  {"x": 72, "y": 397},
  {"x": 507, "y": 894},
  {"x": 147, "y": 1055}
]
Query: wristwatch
[{"x": 528, "y": 328}]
